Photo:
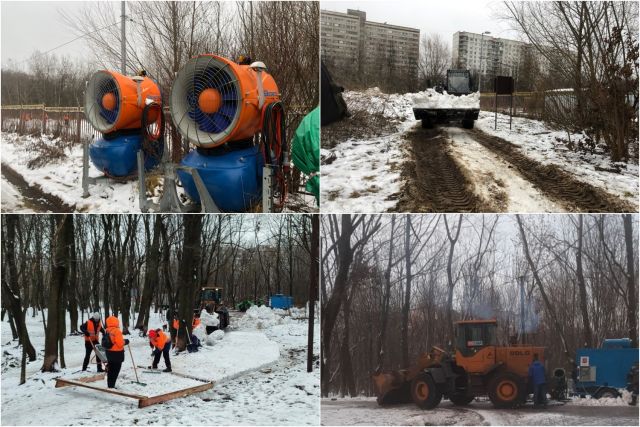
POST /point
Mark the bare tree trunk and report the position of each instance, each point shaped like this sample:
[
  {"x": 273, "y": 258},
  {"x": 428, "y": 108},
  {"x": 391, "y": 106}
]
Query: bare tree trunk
[
  {"x": 450, "y": 282},
  {"x": 385, "y": 301},
  {"x": 588, "y": 336},
  {"x": 407, "y": 292},
  {"x": 313, "y": 285},
  {"x": 151, "y": 276},
  {"x": 188, "y": 276},
  {"x": 632, "y": 312},
  {"x": 71, "y": 291},
  {"x": 56, "y": 293}
]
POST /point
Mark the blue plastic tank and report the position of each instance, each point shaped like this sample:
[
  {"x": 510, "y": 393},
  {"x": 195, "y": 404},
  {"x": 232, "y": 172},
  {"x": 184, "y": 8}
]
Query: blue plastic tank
[
  {"x": 118, "y": 156},
  {"x": 233, "y": 178}
]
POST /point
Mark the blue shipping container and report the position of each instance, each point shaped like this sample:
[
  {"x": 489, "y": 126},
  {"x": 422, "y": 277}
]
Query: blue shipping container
[
  {"x": 281, "y": 301},
  {"x": 607, "y": 366}
]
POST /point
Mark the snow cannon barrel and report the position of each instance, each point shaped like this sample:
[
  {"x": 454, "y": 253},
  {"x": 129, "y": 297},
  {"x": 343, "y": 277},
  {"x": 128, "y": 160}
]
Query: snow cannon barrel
[
  {"x": 216, "y": 101},
  {"x": 127, "y": 110},
  {"x": 218, "y": 106}
]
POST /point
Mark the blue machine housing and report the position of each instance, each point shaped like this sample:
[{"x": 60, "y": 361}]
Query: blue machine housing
[
  {"x": 612, "y": 363},
  {"x": 283, "y": 302},
  {"x": 117, "y": 156},
  {"x": 233, "y": 178}
]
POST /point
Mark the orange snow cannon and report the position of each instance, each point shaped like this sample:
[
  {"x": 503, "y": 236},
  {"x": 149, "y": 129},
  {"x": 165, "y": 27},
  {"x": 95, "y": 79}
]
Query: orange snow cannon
[
  {"x": 115, "y": 102},
  {"x": 215, "y": 100}
]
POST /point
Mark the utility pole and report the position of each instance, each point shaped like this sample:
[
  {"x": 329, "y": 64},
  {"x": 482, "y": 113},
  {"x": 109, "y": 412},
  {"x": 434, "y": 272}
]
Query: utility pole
[
  {"x": 123, "y": 40},
  {"x": 522, "y": 323}
]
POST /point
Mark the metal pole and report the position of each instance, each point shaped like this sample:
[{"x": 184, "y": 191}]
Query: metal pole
[{"x": 123, "y": 41}]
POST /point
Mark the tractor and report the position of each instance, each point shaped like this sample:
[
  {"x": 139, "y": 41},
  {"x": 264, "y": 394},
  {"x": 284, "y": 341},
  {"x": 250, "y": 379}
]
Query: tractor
[
  {"x": 211, "y": 301},
  {"x": 478, "y": 367}
]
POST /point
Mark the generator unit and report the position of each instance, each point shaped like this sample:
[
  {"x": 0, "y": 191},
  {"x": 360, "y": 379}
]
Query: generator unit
[
  {"x": 603, "y": 371},
  {"x": 127, "y": 111},
  {"x": 281, "y": 301}
]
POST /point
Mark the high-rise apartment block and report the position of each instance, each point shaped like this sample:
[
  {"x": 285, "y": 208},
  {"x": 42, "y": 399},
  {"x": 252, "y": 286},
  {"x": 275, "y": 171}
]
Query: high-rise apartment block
[{"x": 351, "y": 43}]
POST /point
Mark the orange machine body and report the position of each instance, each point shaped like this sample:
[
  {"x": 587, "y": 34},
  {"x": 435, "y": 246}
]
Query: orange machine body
[
  {"x": 248, "y": 120},
  {"x": 134, "y": 94},
  {"x": 516, "y": 359}
]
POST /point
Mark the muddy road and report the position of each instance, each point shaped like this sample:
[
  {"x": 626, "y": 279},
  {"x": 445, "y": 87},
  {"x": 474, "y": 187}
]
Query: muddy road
[
  {"x": 19, "y": 197},
  {"x": 459, "y": 170}
]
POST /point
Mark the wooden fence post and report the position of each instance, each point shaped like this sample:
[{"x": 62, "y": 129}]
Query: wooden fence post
[{"x": 78, "y": 125}]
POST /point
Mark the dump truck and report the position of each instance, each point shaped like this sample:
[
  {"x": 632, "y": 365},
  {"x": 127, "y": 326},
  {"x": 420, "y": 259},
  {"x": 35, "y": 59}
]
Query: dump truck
[
  {"x": 211, "y": 300},
  {"x": 604, "y": 371},
  {"x": 457, "y": 105},
  {"x": 478, "y": 367}
]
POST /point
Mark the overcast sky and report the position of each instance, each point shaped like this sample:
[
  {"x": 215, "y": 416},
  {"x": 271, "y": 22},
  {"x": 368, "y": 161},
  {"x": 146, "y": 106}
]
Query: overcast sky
[
  {"x": 37, "y": 25},
  {"x": 441, "y": 17}
]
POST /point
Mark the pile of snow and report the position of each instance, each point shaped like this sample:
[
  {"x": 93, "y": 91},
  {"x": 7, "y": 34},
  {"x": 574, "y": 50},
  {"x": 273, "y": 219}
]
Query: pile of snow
[
  {"x": 394, "y": 106},
  {"x": 261, "y": 317},
  {"x": 432, "y": 99},
  {"x": 214, "y": 336},
  {"x": 209, "y": 319},
  {"x": 623, "y": 400}
]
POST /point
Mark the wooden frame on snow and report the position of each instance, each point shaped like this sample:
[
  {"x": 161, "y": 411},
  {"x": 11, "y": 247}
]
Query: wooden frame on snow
[{"x": 143, "y": 401}]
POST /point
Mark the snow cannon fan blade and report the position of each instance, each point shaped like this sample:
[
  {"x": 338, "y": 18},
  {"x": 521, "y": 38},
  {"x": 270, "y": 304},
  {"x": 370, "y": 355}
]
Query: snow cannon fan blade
[{"x": 215, "y": 100}]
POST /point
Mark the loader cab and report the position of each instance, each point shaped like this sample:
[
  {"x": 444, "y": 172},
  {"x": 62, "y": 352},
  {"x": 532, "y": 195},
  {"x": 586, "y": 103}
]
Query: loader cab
[
  {"x": 458, "y": 82},
  {"x": 210, "y": 295},
  {"x": 474, "y": 335}
]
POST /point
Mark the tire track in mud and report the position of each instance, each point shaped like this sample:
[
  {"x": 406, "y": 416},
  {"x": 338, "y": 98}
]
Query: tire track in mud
[
  {"x": 434, "y": 182},
  {"x": 34, "y": 196},
  {"x": 553, "y": 182}
]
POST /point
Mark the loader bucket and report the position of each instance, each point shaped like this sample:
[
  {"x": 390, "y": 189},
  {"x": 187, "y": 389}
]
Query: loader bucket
[{"x": 392, "y": 387}]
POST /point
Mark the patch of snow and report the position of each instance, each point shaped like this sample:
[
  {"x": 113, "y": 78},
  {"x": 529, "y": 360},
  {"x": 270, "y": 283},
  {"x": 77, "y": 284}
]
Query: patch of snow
[
  {"x": 432, "y": 99},
  {"x": 548, "y": 146},
  {"x": 490, "y": 175}
]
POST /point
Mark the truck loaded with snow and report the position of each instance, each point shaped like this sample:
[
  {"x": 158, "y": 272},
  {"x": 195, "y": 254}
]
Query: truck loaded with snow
[{"x": 455, "y": 103}]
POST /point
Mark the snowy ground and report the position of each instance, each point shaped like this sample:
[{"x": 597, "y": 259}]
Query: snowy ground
[
  {"x": 549, "y": 146},
  {"x": 364, "y": 163},
  {"x": 259, "y": 372},
  {"x": 60, "y": 176},
  {"x": 365, "y": 411},
  {"x": 365, "y": 175}
]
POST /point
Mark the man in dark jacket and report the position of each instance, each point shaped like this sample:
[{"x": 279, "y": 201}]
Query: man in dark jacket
[
  {"x": 91, "y": 328},
  {"x": 537, "y": 378}
]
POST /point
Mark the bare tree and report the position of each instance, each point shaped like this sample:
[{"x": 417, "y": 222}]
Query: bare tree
[{"x": 435, "y": 59}]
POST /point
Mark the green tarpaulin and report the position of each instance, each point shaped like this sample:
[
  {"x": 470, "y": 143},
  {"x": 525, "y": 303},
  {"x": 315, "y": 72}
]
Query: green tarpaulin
[{"x": 305, "y": 150}]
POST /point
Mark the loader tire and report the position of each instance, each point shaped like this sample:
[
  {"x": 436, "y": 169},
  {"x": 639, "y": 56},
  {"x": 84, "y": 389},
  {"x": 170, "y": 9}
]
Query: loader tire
[
  {"x": 607, "y": 392},
  {"x": 424, "y": 392},
  {"x": 461, "y": 399},
  {"x": 506, "y": 390}
]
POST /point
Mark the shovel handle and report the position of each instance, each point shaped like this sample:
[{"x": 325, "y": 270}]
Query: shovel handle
[{"x": 133, "y": 363}]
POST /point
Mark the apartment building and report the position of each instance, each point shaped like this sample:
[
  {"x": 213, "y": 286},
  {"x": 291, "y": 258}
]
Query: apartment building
[{"x": 349, "y": 42}]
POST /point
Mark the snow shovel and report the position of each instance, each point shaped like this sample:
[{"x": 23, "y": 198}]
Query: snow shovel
[
  {"x": 190, "y": 347},
  {"x": 100, "y": 354},
  {"x": 135, "y": 370}
]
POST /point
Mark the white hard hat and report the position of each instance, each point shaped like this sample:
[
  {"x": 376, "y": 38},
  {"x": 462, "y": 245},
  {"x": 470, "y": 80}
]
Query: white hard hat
[{"x": 96, "y": 316}]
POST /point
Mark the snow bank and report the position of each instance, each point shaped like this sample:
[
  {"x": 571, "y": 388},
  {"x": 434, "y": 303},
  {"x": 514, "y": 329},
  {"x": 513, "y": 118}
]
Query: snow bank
[
  {"x": 432, "y": 99},
  {"x": 395, "y": 107},
  {"x": 209, "y": 319},
  {"x": 261, "y": 317},
  {"x": 623, "y": 400}
]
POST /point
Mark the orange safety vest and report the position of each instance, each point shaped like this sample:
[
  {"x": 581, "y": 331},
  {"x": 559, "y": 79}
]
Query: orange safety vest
[
  {"x": 159, "y": 341},
  {"x": 176, "y": 324},
  {"x": 93, "y": 332},
  {"x": 195, "y": 323},
  {"x": 115, "y": 334}
]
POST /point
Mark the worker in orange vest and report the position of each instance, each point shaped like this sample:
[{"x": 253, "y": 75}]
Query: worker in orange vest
[
  {"x": 91, "y": 328},
  {"x": 160, "y": 344},
  {"x": 114, "y": 343},
  {"x": 196, "y": 320}
]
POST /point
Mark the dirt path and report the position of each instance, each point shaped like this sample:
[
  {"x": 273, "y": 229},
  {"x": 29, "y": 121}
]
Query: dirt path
[
  {"x": 559, "y": 186},
  {"x": 434, "y": 181},
  {"x": 31, "y": 197}
]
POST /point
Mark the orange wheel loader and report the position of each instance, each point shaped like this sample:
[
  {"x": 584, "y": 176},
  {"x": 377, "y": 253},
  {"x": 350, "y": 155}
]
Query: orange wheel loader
[{"x": 479, "y": 367}]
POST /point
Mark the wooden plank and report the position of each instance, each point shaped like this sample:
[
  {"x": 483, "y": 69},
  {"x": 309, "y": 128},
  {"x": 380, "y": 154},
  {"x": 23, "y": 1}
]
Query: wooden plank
[
  {"x": 92, "y": 387},
  {"x": 90, "y": 379},
  {"x": 142, "y": 403},
  {"x": 178, "y": 374}
]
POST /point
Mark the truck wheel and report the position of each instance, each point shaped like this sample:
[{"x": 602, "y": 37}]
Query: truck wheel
[
  {"x": 424, "y": 392},
  {"x": 607, "y": 392},
  {"x": 427, "y": 123},
  {"x": 506, "y": 390},
  {"x": 461, "y": 399},
  {"x": 468, "y": 123}
]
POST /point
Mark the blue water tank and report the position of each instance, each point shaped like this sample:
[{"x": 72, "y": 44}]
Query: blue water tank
[
  {"x": 612, "y": 364},
  {"x": 616, "y": 343},
  {"x": 283, "y": 302},
  {"x": 233, "y": 178},
  {"x": 118, "y": 156}
]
